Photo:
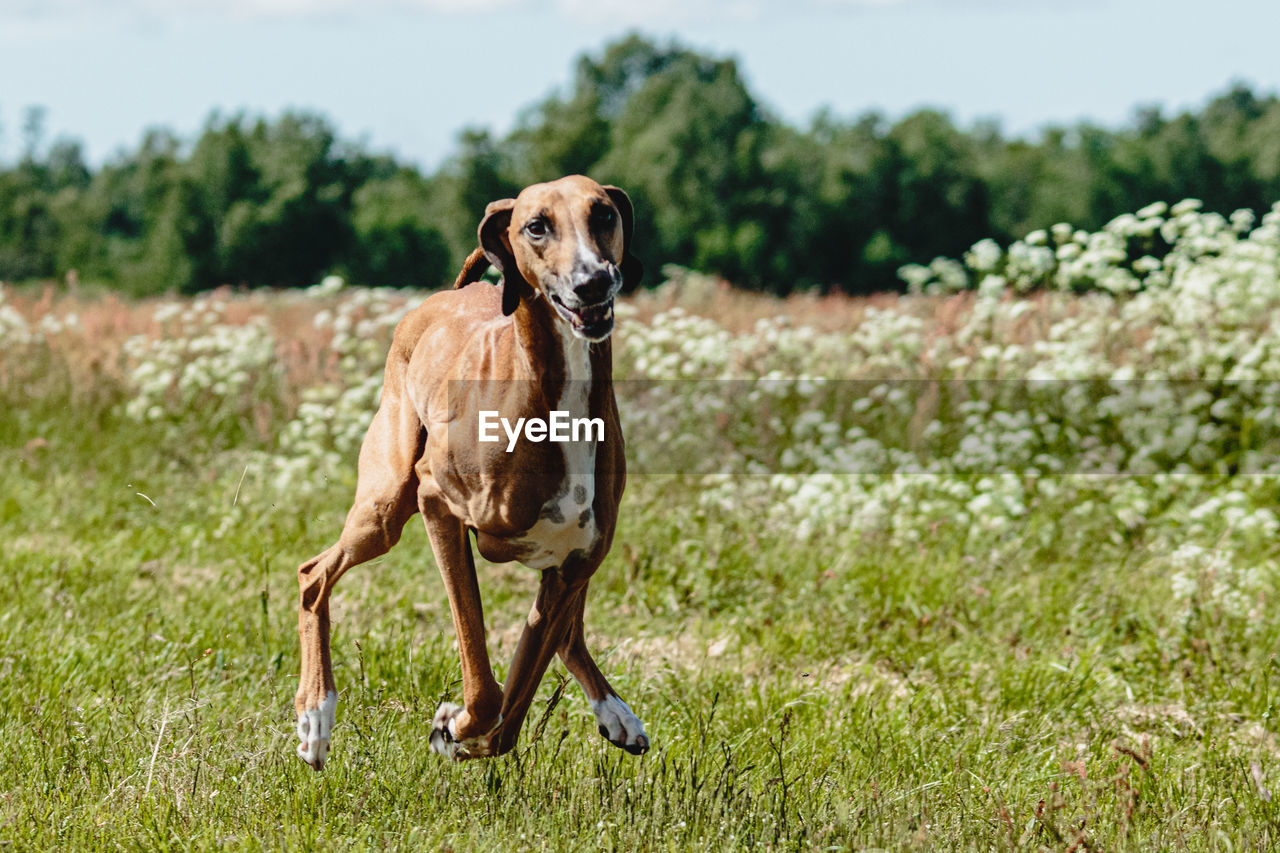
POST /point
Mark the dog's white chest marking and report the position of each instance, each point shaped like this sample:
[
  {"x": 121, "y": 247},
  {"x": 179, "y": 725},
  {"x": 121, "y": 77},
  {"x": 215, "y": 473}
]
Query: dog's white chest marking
[{"x": 567, "y": 522}]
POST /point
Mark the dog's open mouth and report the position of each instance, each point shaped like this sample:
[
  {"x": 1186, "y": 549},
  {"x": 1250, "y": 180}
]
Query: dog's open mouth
[{"x": 593, "y": 322}]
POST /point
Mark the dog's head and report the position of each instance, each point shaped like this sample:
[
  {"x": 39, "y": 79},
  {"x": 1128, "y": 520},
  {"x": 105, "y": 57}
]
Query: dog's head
[{"x": 568, "y": 241}]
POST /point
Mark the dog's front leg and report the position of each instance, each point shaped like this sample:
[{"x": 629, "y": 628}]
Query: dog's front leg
[
  {"x": 467, "y": 731},
  {"x": 614, "y": 718},
  {"x": 549, "y": 621}
]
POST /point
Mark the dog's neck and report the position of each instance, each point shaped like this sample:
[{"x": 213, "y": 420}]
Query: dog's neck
[{"x": 549, "y": 352}]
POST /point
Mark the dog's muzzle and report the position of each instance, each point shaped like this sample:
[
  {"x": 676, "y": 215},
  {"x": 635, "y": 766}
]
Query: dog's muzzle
[
  {"x": 588, "y": 307},
  {"x": 593, "y": 322}
]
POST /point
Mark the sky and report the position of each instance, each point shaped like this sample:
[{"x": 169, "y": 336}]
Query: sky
[{"x": 406, "y": 76}]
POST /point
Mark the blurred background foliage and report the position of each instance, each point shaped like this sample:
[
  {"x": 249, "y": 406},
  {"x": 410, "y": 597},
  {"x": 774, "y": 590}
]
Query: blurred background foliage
[{"x": 721, "y": 184}]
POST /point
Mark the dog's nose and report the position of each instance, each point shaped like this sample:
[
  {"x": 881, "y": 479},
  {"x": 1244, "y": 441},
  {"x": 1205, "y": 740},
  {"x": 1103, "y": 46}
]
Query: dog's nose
[{"x": 593, "y": 287}]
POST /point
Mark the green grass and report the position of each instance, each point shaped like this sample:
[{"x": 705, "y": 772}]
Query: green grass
[{"x": 831, "y": 694}]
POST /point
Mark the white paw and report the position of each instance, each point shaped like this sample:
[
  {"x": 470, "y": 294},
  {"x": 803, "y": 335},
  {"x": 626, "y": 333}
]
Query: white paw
[
  {"x": 445, "y": 740},
  {"x": 619, "y": 726},
  {"x": 315, "y": 727}
]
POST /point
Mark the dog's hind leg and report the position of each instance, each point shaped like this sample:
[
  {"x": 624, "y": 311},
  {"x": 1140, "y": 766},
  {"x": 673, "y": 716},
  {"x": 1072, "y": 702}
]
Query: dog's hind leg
[
  {"x": 385, "y": 500},
  {"x": 614, "y": 718},
  {"x": 463, "y": 732}
]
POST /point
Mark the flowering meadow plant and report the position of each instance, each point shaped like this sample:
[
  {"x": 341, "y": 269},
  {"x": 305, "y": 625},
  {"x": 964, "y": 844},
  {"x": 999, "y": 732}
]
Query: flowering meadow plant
[{"x": 1074, "y": 376}]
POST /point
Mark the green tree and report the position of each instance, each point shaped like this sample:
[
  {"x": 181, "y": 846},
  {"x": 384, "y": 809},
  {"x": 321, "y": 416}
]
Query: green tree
[
  {"x": 480, "y": 173},
  {"x": 718, "y": 184},
  {"x": 395, "y": 241},
  {"x": 293, "y": 225},
  {"x": 687, "y": 145},
  {"x": 939, "y": 203}
]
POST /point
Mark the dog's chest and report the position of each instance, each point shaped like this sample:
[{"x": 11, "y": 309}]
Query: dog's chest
[{"x": 567, "y": 523}]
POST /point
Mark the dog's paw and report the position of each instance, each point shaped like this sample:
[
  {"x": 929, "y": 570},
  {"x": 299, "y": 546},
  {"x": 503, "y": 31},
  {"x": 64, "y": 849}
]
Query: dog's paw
[
  {"x": 620, "y": 726},
  {"x": 315, "y": 728},
  {"x": 445, "y": 740}
]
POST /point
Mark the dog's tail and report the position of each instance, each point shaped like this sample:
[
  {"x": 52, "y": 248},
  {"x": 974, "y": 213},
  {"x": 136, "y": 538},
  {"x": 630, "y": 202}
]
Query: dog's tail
[{"x": 474, "y": 267}]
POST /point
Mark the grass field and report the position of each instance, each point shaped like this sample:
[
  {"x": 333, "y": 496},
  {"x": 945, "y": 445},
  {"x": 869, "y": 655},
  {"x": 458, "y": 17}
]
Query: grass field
[{"x": 1038, "y": 619}]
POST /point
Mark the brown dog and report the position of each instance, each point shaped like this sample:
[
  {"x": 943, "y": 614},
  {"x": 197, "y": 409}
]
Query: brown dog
[{"x": 537, "y": 345}]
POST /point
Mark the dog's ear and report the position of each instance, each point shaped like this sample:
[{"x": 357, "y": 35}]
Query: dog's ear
[
  {"x": 497, "y": 248},
  {"x": 632, "y": 269}
]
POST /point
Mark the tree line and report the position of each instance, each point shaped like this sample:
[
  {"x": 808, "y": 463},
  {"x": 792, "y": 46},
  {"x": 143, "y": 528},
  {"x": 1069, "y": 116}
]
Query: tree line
[{"x": 719, "y": 183}]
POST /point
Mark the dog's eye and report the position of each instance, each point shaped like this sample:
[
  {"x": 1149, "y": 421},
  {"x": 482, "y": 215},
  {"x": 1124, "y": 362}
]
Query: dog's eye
[
  {"x": 602, "y": 216},
  {"x": 536, "y": 228}
]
